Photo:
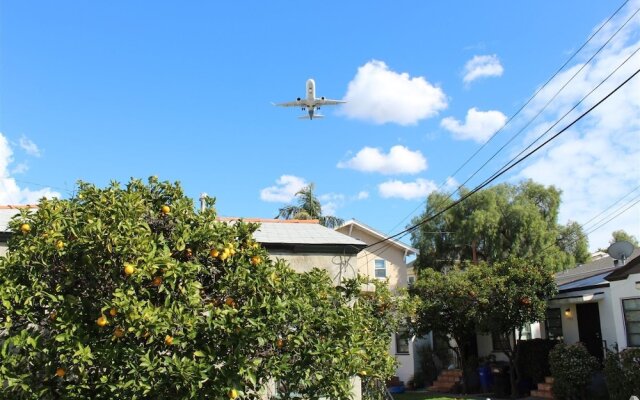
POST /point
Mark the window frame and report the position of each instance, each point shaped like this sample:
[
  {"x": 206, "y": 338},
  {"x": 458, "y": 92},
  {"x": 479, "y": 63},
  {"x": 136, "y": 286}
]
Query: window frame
[
  {"x": 376, "y": 268},
  {"x": 626, "y": 322},
  {"x": 502, "y": 347},
  {"x": 402, "y": 336},
  {"x": 546, "y": 324}
]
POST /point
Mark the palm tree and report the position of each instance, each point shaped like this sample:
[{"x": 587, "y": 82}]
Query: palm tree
[{"x": 308, "y": 207}]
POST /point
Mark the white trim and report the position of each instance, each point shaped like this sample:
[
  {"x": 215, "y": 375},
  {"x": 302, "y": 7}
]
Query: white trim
[{"x": 408, "y": 249}]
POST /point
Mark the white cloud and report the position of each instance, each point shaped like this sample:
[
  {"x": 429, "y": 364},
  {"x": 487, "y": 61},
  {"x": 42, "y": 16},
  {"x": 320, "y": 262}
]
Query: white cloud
[
  {"x": 330, "y": 203},
  {"x": 29, "y": 146},
  {"x": 481, "y": 67},
  {"x": 596, "y": 162},
  {"x": 419, "y": 189},
  {"x": 285, "y": 189},
  {"x": 381, "y": 95},
  {"x": 478, "y": 125},
  {"x": 362, "y": 195},
  {"x": 10, "y": 192},
  {"x": 399, "y": 160}
]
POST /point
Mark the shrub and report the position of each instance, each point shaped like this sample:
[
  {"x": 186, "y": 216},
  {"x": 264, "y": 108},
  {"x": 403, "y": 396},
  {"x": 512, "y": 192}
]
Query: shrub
[
  {"x": 130, "y": 293},
  {"x": 622, "y": 372},
  {"x": 572, "y": 368}
]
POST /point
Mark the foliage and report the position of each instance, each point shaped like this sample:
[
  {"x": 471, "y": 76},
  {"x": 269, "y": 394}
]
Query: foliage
[
  {"x": 621, "y": 235},
  {"x": 432, "y": 361},
  {"x": 533, "y": 358},
  {"x": 572, "y": 368},
  {"x": 130, "y": 293},
  {"x": 498, "y": 223},
  {"x": 622, "y": 373},
  {"x": 308, "y": 207},
  {"x": 448, "y": 303}
]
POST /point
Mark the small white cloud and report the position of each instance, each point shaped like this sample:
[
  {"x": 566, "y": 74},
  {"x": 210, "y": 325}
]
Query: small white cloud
[
  {"x": 478, "y": 125},
  {"x": 407, "y": 190},
  {"x": 400, "y": 160},
  {"x": 330, "y": 203},
  {"x": 285, "y": 189},
  {"x": 21, "y": 168},
  {"x": 29, "y": 146},
  {"x": 10, "y": 192},
  {"x": 481, "y": 67},
  {"x": 362, "y": 195},
  {"x": 381, "y": 95}
]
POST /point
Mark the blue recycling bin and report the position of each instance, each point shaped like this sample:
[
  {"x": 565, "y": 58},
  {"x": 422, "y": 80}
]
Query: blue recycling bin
[{"x": 486, "y": 378}]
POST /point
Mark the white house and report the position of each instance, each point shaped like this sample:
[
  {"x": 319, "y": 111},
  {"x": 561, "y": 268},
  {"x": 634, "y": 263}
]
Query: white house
[
  {"x": 598, "y": 304},
  {"x": 6, "y": 213}
]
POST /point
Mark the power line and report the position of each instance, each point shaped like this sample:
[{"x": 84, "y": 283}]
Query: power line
[
  {"x": 535, "y": 94},
  {"x": 508, "y": 166}
]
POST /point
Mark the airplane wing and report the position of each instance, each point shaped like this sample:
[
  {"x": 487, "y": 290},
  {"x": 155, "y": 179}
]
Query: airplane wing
[
  {"x": 296, "y": 103},
  {"x": 328, "y": 102}
]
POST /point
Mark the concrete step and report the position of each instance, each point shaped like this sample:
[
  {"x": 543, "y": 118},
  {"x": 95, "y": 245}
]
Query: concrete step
[
  {"x": 543, "y": 394},
  {"x": 548, "y": 379},
  {"x": 545, "y": 387}
]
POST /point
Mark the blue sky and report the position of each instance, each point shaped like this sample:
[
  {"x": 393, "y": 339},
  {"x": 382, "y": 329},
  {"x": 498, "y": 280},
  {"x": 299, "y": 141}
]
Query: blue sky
[{"x": 100, "y": 91}]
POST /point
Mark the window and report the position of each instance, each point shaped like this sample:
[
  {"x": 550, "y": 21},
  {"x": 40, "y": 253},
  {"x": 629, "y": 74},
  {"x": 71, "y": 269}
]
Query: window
[
  {"x": 499, "y": 342},
  {"x": 631, "y": 310},
  {"x": 525, "y": 332},
  {"x": 381, "y": 269},
  {"x": 411, "y": 280},
  {"x": 553, "y": 324},
  {"x": 402, "y": 341}
]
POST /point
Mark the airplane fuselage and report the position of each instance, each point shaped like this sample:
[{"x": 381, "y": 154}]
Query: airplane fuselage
[{"x": 310, "y": 103}]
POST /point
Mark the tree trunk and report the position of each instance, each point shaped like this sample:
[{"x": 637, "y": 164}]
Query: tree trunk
[{"x": 511, "y": 355}]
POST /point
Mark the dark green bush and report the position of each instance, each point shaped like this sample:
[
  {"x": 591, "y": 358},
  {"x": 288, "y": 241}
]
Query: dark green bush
[
  {"x": 533, "y": 358},
  {"x": 572, "y": 368},
  {"x": 622, "y": 372}
]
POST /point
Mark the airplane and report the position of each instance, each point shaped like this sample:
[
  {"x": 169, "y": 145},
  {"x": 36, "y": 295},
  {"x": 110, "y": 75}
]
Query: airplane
[{"x": 311, "y": 103}]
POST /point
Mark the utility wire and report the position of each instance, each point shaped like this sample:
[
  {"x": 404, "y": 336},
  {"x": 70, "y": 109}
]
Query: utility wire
[
  {"x": 507, "y": 167},
  {"x": 513, "y": 116}
]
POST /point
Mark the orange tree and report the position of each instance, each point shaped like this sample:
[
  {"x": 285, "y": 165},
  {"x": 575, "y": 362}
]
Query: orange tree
[{"x": 127, "y": 292}]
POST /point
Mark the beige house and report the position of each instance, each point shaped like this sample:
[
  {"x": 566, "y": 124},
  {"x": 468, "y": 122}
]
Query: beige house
[
  {"x": 386, "y": 260},
  {"x": 6, "y": 213}
]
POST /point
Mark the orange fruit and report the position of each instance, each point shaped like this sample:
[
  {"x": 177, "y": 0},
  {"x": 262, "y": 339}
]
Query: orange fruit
[
  {"x": 189, "y": 253},
  {"x": 25, "y": 228},
  {"x": 214, "y": 253},
  {"x": 166, "y": 209},
  {"x": 255, "y": 260},
  {"x": 157, "y": 281},
  {"x": 60, "y": 372},
  {"x": 280, "y": 343},
  {"x": 113, "y": 312},
  {"x": 230, "y": 302},
  {"x": 53, "y": 316},
  {"x": 233, "y": 394},
  {"x": 129, "y": 269},
  {"x": 59, "y": 245},
  {"x": 102, "y": 321},
  {"x": 225, "y": 254},
  {"x": 118, "y": 332},
  {"x": 168, "y": 340}
]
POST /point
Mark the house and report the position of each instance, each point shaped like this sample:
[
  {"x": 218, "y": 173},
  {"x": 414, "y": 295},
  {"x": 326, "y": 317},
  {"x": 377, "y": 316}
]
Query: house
[
  {"x": 387, "y": 260},
  {"x": 6, "y": 213},
  {"x": 598, "y": 304}
]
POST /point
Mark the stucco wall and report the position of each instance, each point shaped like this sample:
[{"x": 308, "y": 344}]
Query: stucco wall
[
  {"x": 405, "y": 369},
  {"x": 620, "y": 290},
  {"x": 3, "y": 248},
  {"x": 394, "y": 257},
  {"x": 338, "y": 266}
]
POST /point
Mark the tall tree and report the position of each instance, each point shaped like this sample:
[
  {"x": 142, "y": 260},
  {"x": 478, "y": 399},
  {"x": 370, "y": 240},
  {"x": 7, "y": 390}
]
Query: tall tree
[
  {"x": 448, "y": 304},
  {"x": 515, "y": 292},
  {"x": 621, "y": 235},
  {"x": 308, "y": 207},
  {"x": 494, "y": 224}
]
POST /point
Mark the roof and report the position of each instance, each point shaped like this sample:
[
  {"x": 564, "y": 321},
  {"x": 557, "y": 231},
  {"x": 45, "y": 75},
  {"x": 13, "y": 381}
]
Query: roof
[
  {"x": 591, "y": 282},
  {"x": 299, "y": 232},
  {"x": 630, "y": 267},
  {"x": 596, "y": 267},
  {"x": 379, "y": 235},
  {"x": 7, "y": 212}
]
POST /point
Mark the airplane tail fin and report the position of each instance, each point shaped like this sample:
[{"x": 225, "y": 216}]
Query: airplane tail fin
[{"x": 315, "y": 116}]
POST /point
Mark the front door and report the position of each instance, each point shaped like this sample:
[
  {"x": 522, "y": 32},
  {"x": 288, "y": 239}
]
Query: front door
[{"x": 589, "y": 328}]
